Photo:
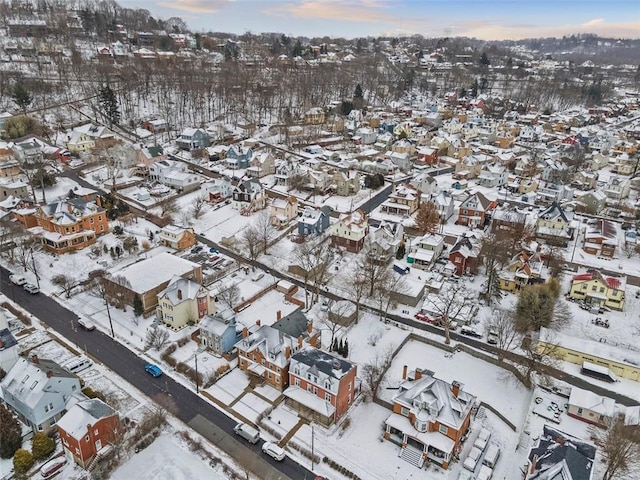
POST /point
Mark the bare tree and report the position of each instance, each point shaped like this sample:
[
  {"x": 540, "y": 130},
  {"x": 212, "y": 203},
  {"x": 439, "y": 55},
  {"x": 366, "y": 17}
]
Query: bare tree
[
  {"x": 23, "y": 253},
  {"x": 251, "y": 242},
  {"x": 538, "y": 357},
  {"x": 199, "y": 205},
  {"x": 331, "y": 320},
  {"x": 427, "y": 218},
  {"x": 620, "y": 447},
  {"x": 373, "y": 372},
  {"x": 67, "y": 283},
  {"x": 369, "y": 269},
  {"x": 629, "y": 249},
  {"x": 449, "y": 304},
  {"x": 10, "y": 233},
  {"x": 168, "y": 207},
  {"x": 503, "y": 326},
  {"x": 494, "y": 254},
  {"x": 230, "y": 296},
  {"x": 562, "y": 315},
  {"x": 157, "y": 337},
  {"x": 387, "y": 287},
  {"x": 265, "y": 230},
  {"x": 324, "y": 257}
]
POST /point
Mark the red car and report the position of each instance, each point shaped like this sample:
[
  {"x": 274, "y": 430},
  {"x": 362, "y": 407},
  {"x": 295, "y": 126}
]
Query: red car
[
  {"x": 52, "y": 467},
  {"x": 423, "y": 317}
]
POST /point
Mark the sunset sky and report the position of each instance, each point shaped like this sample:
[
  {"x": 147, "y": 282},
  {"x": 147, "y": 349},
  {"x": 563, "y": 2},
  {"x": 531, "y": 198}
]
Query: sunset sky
[{"x": 490, "y": 20}]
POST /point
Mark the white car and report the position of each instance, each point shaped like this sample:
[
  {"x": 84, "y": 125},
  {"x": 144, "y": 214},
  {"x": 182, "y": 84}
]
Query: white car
[
  {"x": 17, "y": 279},
  {"x": 273, "y": 450},
  {"x": 31, "y": 288}
]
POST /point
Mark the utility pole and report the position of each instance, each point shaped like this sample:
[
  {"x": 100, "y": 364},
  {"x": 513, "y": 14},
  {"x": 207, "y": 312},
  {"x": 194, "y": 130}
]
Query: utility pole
[
  {"x": 35, "y": 271},
  {"x": 197, "y": 382},
  {"x": 312, "y": 448},
  {"x": 106, "y": 302}
]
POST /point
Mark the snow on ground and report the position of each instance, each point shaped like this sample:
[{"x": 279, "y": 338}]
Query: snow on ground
[
  {"x": 250, "y": 406},
  {"x": 265, "y": 308},
  {"x": 282, "y": 419},
  {"x": 484, "y": 380},
  {"x": 165, "y": 459},
  {"x": 368, "y": 333},
  {"x": 230, "y": 386}
]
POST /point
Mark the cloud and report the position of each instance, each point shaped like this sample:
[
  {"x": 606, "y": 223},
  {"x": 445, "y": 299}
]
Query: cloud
[
  {"x": 364, "y": 11},
  {"x": 197, "y": 6}
]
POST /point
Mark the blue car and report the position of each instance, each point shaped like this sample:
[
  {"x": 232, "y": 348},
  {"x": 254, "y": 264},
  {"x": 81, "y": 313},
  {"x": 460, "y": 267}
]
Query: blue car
[{"x": 152, "y": 370}]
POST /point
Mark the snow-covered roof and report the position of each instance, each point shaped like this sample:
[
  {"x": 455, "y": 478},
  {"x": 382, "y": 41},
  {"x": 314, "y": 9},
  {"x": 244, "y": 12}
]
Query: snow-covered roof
[
  {"x": 590, "y": 401},
  {"x": 310, "y": 400},
  {"x": 83, "y": 415}
]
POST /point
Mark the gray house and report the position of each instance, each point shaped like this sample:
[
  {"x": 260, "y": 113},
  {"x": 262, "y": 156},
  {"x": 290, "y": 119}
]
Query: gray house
[
  {"x": 314, "y": 221},
  {"x": 239, "y": 157},
  {"x": 218, "y": 332},
  {"x": 193, "y": 139},
  {"x": 37, "y": 391}
]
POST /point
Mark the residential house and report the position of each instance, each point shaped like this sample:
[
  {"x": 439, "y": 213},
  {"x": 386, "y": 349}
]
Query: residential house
[
  {"x": 217, "y": 189},
  {"x": 178, "y": 238},
  {"x": 553, "y": 171},
  {"x": 596, "y": 288},
  {"x": 15, "y": 189},
  {"x": 283, "y": 210},
  {"x": 285, "y": 170},
  {"x": 101, "y": 135},
  {"x": 464, "y": 255},
  {"x": 37, "y": 391},
  {"x": 322, "y": 386},
  {"x": 404, "y": 201},
  {"x": 78, "y": 142},
  {"x": 430, "y": 418},
  {"x": 314, "y": 116},
  {"x": 475, "y": 209},
  {"x": 365, "y": 136},
  {"x": 238, "y": 157},
  {"x": 555, "y": 225},
  {"x": 158, "y": 125},
  {"x": 560, "y": 456},
  {"x": 383, "y": 241},
  {"x": 29, "y": 151},
  {"x": 173, "y": 174},
  {"x": 402, "y": 161},
  {"x": 67, "y": 225},
  {"x": 524, "y": 268},
  {"x": 427, "y": 156},
  {"x": 193, "y": 139},
  {"x": 601, "y": 238},
  {"x": 146, "y": 156},
  {"x": 624, "y": 165},
  {"x": 261, "y": 164},
  {"x": 591, "y": 407},
  {"x": 444, "y": 205},
  {"x": 584, "y": 180},
  {"x": 218, "y": 332},
  {"x": 426, "y": 250},
  {"x": 314, "y": 221},
  {"x": 346, "y": 183},
  {"x": 147, "y": 278},
  {"x": 597, "y": 161},
  {"x": 8, "y": 344},
  {"x": 249, "y": 196},
  {"x": 184, "y": 301},
  {"x": 617, "y": 188},
  {"x": 506, "y": 218},
  {"x": 425, "y": 183},
  {"x": 88, "y": 427},
  {"x": 350, "y": 231},
  {"x": 493, "y": 176},
  {"x": 553, "y": 192},
  {"x": 592, "y": 202}
]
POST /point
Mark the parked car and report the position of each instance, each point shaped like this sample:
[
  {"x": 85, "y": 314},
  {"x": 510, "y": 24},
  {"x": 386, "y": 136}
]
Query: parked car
[
  {"x": 274, "y": 451},
  {"x": 17, "y": 279},
  {"x": 247, "y": 432},
  {"x": 31, "y": 288},
  {"x": 492, "y": 337},
  {"x": 153, "y": 370},
  {"x": 52, "y": 467},
  {"x": 77, "y": 365},
  {"x": 470, "y": 332},
  {"x": 86, "y": 324}
]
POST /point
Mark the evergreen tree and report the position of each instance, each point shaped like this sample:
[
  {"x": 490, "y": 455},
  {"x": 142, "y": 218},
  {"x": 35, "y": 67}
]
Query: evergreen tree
[
  {"x": 400, "y": 253},
  {"x": 484, "y": 60},
  {"x": 21, "y": 96},
  {"x": 358, "y": 97},
  {"x": 10, "y": 435},
  {"x": 340, "y": 347},
  {"x": 334, "y": 346},
  {"x": 345, "y": 350},
  {"x": 22, "y": 461},
  {"x": 109, "y": 105},
  {"x": 296, "y": 51},
  {"x": 42, "y": 446},
  {"x": 138, "y": 308}
]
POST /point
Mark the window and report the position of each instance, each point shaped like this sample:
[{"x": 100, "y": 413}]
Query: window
[
  {"x": 277, "y": 378},
  {"x": 349, "y": 398},
  {"x": 86, "y": 439},
  {"x": 349, "y": 386},
  {"x": 315, "y": 390},
  {"x": 327, "y": 397},
  {"x": 403, "y": 411},
  {"x": 580, "y": 411},
  {"x": 91, "y": 220},
  {"x": 296, "y": 382},
  {"x": 443, "y": 430},
  {"x": 95, "y": 432},
  {"x": 308, "y": 387},
  {"x": 601, "y": 289}
]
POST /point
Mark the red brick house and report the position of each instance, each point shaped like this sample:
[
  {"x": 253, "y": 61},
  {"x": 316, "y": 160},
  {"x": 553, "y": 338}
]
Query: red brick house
[
  {"x": 474, "y": 210},
  {"x": 87, "y": 428},
  {"x": 464, "y": 255},
  {"x": 322, "y": 386},
  {"x": 427, "y": 156},
  {"x": 430, "y": 417},
  {"x": 350, "y": 231}
]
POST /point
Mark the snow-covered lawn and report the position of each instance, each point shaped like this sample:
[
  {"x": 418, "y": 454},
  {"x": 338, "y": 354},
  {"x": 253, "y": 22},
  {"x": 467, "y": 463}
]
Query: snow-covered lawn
[
  {"x": 250, "y": 406},
  {"x": 229, "y": 387},
  {"x": 282, "y": 419}
]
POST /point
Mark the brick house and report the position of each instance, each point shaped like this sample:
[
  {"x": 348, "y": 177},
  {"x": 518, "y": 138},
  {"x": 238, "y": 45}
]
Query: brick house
[
  {"x": 322, "y": 386},
  {"x": 601, "y": 238},
  {"x": 430, "y": 417},
  {"x": 350, "y": 231},
  {"x": 178, "y": 238},
  {"x": 474, "y": 210},
  {"x": 148, "y": 278},
  {"x": 464, "y": 255},
  {"x": 67, "y": 225},
  {"x": 88, "y": 427}
]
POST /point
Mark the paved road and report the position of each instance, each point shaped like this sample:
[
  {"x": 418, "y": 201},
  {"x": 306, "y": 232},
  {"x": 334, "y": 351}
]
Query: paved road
[{"x": 191, "y": 408}]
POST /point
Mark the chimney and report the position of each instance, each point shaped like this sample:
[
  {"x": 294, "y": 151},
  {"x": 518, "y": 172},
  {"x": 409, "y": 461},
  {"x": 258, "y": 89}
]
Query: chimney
[
  {"x": 278, "y": 315},
  {"x": 534, "y": 461},
  {"x": 455, "y": 388},
  {"x": 35, "y": 359},
  {"x": 418, "y": 374},
  {"x": 300, "y": 341},
  {"x": 179, "y": 294},
  {"x": 287, "y": 352},
  {"x": 404, "y": 372},
  {"x": 309, "y": 328},
  {"x": 49, "y": 374},
  {"x": 245, "y": 332}
]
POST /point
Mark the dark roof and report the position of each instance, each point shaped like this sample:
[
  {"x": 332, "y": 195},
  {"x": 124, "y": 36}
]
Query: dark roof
[
  {"x": 552, "y": 212},
  {"x": 96, "y": 408},
  {"x": 155, "y": 151},
  {"x": 294, "y": 324},
  {"x": 54, "y": 368},
  {"x": 556, "y": 447},
  {"x": 6, "y": 339},
  {"x": 323, "y": 361}
]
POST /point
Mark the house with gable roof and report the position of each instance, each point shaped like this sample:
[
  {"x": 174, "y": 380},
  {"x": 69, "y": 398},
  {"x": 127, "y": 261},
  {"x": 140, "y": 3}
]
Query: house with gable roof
[
  {"x": 322, "y": 386},
  {"x": 426, "y": 250},
  {"x": 239, "y": 156},
  {"x": 314, "y": 221},
  {"x": 444, "y": 205},
  {"x": 193, "y": 139},
  {"x": 464, "y": 255},
  {"x": 523, "y": 269},
  {"x": 383, "y": 241},
  {"x": 425, "y": 183},
  {"x": 218, "y": 331},
  {"x": 249, "y": 196},
  {"x": 596, "y": 288},
  {"x": 217, "y": 189},
  {"x": 350, "y": 231},
  {"x": 184, "y": 301},
  {"x": 430, "y": 418},
  {"x": 601, "y": 237},
  {"x": 404, "y": 200},
  {"x": 554, "y": 224},
  {"x": 560, "y": 456},
  {"x": 178, "y": 238},
  {"x": 346, "y": 183},
  {"x": 78, "y": 142},
  {"x": 475, "y": 209},
  {"x": 261, "y": 164},
  {"x": 89, "y": 426},
  {"x": 591, "y": 407},
  {"x": 37, "y": 391},
  {"x": 492, "y": 176},
  {"x": 283, "y": 210}
]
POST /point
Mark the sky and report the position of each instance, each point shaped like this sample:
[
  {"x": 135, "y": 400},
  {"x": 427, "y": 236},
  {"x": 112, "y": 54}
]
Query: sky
[{"x": 484, "y": 19}]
